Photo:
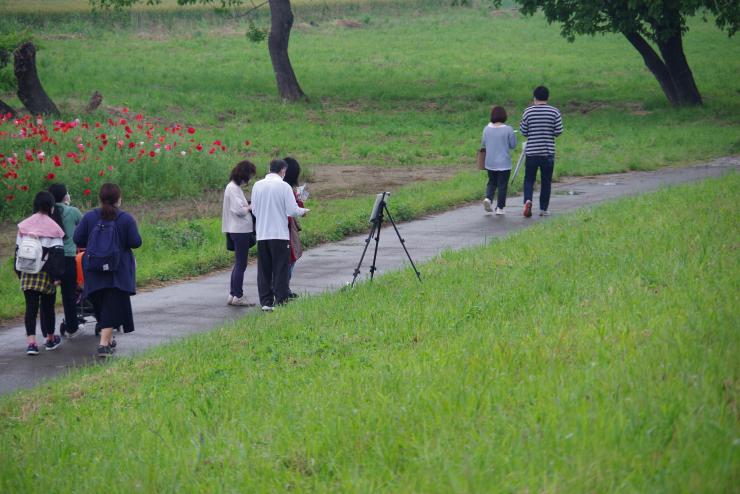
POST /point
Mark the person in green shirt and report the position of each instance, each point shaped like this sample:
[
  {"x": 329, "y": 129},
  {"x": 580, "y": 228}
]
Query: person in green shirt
[{"x": 68, "y": 217}]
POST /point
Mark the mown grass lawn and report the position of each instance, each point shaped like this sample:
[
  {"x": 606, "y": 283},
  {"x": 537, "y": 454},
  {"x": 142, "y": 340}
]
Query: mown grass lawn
[{"x": 592, "y": 353}]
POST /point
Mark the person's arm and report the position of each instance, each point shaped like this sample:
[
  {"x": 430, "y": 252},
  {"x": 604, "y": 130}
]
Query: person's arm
[
  {"x": 512, "y": 139},
  {"x": 558, "y": 125},
  {"x": 524, "y": 125},
  {"x": 81, "y": 233},
  {"x": 133, "y": 238},
  {"x": 291, "y": 206},
  {"x": 483, "y": 141},
  {"x": 238, "y": 203}
]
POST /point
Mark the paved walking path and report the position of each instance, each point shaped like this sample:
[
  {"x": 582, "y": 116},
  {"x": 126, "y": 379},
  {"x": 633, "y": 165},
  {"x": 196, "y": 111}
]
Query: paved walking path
[{"x": 198, "y": 305}]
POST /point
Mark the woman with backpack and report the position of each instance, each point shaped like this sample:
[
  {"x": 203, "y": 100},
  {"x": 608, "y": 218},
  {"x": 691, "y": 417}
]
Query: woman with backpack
[
  {"x": 39, "y": 262},
  {"x": 108, "y": 236}
]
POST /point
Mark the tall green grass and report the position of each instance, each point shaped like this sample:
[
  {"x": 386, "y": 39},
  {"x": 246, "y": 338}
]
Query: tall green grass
[{"x": 592, "y": 353}]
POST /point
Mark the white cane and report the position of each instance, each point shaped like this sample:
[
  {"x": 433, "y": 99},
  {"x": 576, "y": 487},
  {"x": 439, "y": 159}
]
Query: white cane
[{"x": 519, "y": 162}]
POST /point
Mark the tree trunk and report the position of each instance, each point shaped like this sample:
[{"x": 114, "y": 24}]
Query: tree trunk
[
  {"x": 30, "y": 91},
  {"x": 282, "y": 22},
  {"x": 5, "y": 109},
  {"x": 678, "y": 67},
  {"x": 655, "y": 64}
]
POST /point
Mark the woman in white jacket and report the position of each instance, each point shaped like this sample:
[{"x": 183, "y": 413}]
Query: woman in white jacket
[
  {"x": 237, "y": 224},
  {"x": 41, "y": 235}
]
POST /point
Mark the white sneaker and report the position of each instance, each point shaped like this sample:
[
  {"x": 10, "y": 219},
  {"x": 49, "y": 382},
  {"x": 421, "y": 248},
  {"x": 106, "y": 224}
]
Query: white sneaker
[
  {"x": 242, "y": 301},
  {"x": 487, "y": 204},
  {"x": 544, "y": 213},
  {"x": 268, "y": 308},
  {"x": 230, "y": 300},
  {"x": 500, "y": 211}
]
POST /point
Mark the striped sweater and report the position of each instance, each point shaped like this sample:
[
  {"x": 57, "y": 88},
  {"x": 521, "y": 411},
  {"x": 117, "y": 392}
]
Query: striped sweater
[{"x": 541, "y": 124}]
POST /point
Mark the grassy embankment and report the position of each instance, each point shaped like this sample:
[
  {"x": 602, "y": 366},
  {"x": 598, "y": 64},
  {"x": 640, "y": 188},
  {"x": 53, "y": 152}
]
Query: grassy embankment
[
  {"x": 592, "y": 353},
  {"x": 411, "y": 87}
]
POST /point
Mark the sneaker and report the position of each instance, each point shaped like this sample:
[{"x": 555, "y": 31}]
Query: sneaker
[
  {"x": 55, "y": 342},
  {"x": 71, "y": 333},
  {"x": 230, "y": 300},
  {"x": 528, "y": 209},
  {"x": 32, "y": 349},
  {"x": 113, "y": 342},
  {"x": 487, "y": 205},
  {"x": 268, "y": 308},
  {"x": 293, "y": 295},
  {"x": 104, "y": 351},
  {"x": 242, "y": 301},
  {"x": 500, "y": 211},
  {"x": 544, "y": 212}
]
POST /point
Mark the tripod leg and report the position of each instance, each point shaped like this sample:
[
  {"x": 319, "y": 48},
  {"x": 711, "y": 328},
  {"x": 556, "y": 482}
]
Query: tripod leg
[
  {"x": 379, "y": 223},
  {"x": 403, "y": 242},
  {"x": 367, "y": 243}
]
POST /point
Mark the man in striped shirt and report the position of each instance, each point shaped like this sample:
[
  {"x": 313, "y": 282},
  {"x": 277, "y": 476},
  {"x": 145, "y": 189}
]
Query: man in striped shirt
[{"x": 541, "y": 124}]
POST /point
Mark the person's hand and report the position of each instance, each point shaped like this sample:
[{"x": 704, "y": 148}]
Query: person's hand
[
  {"x": 57, "y": 282},
  {"x": 305, "y": 211}
]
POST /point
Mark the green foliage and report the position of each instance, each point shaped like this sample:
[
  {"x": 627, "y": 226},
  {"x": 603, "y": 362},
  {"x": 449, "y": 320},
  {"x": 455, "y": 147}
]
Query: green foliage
[
  {"x": 654, "y": 19},
  {"x": 592, "y": 353},
  {"x": 256, "y": 34}
]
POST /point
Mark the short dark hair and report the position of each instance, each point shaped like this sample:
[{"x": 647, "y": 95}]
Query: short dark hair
[
  {"x": 498, "y": 114},
  {"x": 243, "y": 172},
  {"x": 276, "y": 166},
  {"x": 293, "y": 171},
  {"x": 58, "y": 191},
  {"x": 541, "y": 93},
  {"x": 43, "y": 203}
]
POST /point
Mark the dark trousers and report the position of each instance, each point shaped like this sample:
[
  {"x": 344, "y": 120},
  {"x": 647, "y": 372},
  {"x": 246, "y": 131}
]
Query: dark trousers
[
  {"x": 242, "y": 243},
  {"x": 498, "y": 179},
  {"x": 69, "y": 293},
  {"x": 33, "y": 300},
  {"x": 546, "y": 165},
  {"x": 273, "y": 260}
]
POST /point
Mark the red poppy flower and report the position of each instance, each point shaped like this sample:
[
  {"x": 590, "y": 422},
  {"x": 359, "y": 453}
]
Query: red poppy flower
[
  {"x": 213, "y": 150},
  {"x": 24, "y": 188},
  {"x": 191, "y": 130},
  {"x": 110, "y": 168},
  {"x": 247, "y": 142},
  {"x": 87, "y": 180},
  {"x": 216, "y": 142},
  {"x": 86, "y": 192},
  {"x": 199, "y": 147},
  {"x": 131, "y": 145},
  {"x": 152, "y": 154},
  {"x": 51, "y": 176},
  {"x": 57, "y": 160},
  {"x": 9, "y": 197},
  {"x": 101, "y": 173},
  {"x": 124, "y": 109}
]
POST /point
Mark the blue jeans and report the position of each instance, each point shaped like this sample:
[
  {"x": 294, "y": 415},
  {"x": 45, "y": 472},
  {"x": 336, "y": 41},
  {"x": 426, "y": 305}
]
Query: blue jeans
[
  {"x": 546, "y": 165},
  {"x": 242, "y": 243}
]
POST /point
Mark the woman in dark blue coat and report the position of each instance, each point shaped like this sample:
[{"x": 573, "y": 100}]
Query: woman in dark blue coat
[{"x": 110, "y": 291}]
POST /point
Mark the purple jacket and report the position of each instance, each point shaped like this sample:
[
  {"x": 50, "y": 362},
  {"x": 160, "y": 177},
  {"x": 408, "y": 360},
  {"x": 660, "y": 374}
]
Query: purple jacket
[{"x": 124, "y": 278}]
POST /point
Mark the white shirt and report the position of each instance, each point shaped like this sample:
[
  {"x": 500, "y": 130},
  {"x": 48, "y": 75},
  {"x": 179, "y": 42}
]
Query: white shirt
[
  {"x": 272, "y": 202},
  {"x": 235, "y": 217}
]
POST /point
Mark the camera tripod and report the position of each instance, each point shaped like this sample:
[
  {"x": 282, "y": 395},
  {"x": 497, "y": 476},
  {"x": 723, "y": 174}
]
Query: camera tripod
[{"x": 377, "y": 223}]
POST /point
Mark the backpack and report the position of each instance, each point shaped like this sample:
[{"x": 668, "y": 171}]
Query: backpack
[
  {"x": 103, "y": 252},
  {"x": 30, "y": 256}
]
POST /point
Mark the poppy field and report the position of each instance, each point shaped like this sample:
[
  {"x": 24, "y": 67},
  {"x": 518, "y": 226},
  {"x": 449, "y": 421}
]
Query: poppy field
[{"x": 147, "y": 159}]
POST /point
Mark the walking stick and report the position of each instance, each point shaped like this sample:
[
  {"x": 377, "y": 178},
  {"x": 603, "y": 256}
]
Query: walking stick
[{"x": 519, "y": 162}]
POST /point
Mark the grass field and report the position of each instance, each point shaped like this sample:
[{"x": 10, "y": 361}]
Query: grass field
[
  {"x": 411, "y": 87},
  {"x": 592, "y": 353}
]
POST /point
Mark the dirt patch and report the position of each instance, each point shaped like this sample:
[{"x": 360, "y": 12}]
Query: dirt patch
[
  {"x": 584, "y": 107},
  {"x": 348, "y": 23}
]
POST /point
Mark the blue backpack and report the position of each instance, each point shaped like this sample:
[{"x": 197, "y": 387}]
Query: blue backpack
[{"x": 103, "y": 251}]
